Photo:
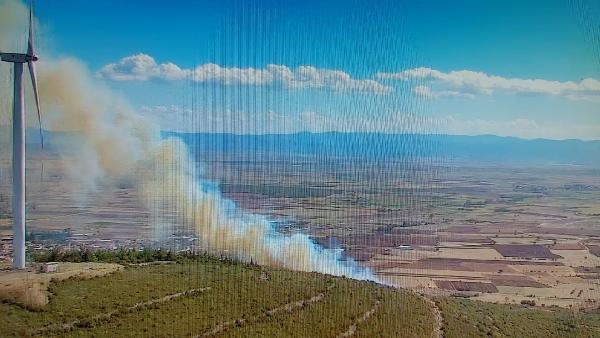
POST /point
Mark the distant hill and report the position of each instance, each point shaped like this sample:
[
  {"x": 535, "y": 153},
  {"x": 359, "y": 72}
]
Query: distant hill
[
  {"x": 483, "y": 149},
  {"x": 376, "y": 146}
]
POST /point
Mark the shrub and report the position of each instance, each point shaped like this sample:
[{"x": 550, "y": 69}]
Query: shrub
[
  {"x": 123, "y": 256},
  {"x": 530, "y": 302}
]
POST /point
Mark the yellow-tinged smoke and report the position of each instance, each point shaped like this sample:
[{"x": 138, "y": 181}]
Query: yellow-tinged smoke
[
  {"x": 114, "y": 138},
  {"x": 116, "y": 142}
]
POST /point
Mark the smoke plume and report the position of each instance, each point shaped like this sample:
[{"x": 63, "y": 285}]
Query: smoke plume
[{"x": 118, "y": 143}]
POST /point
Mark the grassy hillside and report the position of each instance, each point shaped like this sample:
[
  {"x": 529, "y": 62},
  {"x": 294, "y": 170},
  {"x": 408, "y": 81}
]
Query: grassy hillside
[
  {"x": 466, "y": 318},
  {"x": 219, "y": 299},
  {"x": 209, "y": 297}
]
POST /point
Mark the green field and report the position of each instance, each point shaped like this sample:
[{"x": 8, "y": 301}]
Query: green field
[{"x": 209, "y": 297}]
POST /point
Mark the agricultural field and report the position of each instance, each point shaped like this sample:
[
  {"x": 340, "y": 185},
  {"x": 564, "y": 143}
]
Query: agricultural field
[{"x": 500, "y": 234}]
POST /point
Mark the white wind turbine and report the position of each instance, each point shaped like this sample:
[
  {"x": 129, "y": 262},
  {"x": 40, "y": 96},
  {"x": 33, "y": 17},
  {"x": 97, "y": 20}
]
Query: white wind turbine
[{"x": 18, "y": 141}]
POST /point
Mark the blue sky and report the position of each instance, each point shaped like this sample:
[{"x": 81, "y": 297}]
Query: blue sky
[{"x": 470, "y": 63}]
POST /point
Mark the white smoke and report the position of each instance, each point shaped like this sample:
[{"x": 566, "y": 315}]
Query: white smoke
[{"x": 117, "y": 143}]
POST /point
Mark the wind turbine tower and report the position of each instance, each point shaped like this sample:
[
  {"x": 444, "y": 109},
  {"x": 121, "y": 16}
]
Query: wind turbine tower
[{"x": 18, "y": 141}]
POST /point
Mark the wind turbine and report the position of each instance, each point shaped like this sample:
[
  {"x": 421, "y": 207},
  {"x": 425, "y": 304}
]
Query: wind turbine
[{"x": 18, "y": 140}]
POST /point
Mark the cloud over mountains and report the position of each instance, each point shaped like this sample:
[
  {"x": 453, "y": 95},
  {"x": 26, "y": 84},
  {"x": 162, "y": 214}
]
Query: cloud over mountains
[
  {"x": 467, "y": 83},
  {"x": 433, "y": 84},
  {"x": 143, "y": 67}
]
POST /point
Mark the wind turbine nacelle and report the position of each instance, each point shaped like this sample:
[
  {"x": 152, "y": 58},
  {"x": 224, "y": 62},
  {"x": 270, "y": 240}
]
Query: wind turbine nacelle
[{"x": 17, "y": 57}]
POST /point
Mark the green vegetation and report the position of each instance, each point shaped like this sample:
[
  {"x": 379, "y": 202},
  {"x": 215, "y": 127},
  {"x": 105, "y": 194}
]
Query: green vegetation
[
  {"x": 121, "y": 256},
  {"x": 239, "y": 298},
  {"x": 202, "y": 294},
  {"x": 467, "y": 318}
]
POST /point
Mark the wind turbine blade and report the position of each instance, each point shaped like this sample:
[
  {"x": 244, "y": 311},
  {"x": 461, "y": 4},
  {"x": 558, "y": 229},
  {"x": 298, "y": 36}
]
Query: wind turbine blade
[
  {"x": 37, "y": 97},
  {"x": 30, "y": 39}
]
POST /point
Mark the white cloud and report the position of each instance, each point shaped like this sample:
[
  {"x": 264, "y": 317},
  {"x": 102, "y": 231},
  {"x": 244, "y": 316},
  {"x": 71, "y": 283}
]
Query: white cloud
[
  {"x": 311, "y": 77},
  {"x": 427, "y": 93},
  {"x": 468, "y": 82},
  {"x": 228, "y": 120},
  {"x": 166, "y": 110},
  {"x": 142, "y": 67},
  {"x": 187, "y": 119},
  {"x": 211, "y": 72}
]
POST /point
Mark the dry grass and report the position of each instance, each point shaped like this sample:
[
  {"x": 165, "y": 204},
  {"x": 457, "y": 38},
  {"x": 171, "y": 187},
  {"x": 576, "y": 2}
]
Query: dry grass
[
  {"x": 30, "y": 288},
  {"x": 31, "y": 294}
]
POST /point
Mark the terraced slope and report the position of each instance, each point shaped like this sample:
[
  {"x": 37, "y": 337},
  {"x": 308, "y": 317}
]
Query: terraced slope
[{"x": 214, "y": 298}]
